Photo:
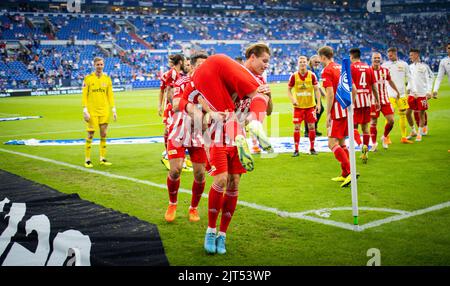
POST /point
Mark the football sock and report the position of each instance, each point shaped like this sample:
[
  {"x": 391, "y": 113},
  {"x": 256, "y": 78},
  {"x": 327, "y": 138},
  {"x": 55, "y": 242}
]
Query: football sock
[
  {"x": 296, "y": 138},
  {"x": 373, "y": 132},
  {"x": 366, "y": 139},
  {"x": 357, "y": 137},
  {"x": 346, "y": 151},
  {"x": 417, "y": 117},
  {"x": 215, "y": 197},
  {"x": 341, "y": 156},
  {"x": 87, "y": 149},
  {"x": 197, "y": 191},
  {"x": 228, "y": 207},
  {"x": 403, "y": 123},
  {"x": 172, "y": 187},
  {"x": 387, "y": 129},
  {"x": 102, "y": 148},
  {"x": 312, "y": 138}
]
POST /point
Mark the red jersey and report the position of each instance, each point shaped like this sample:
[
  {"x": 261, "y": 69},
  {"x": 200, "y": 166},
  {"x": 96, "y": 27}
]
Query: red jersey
[
  {"x": 330, "y": 76},
  {"x": 181, "y": 126},
  {"x": 382, "y": 77},
  {"x": 363, "y": 78}
]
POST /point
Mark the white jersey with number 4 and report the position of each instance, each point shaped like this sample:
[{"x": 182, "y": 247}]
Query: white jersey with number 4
[{"x": 400, "y": 75}]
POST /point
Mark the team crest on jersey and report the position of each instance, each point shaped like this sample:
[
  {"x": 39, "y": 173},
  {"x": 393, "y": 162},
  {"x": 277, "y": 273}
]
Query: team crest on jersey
[{"x": 172, "y": 152}]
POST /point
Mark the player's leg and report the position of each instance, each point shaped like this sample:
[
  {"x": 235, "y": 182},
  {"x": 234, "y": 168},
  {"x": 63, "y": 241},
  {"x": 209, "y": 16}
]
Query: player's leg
[
  {"x": 87, "y": 149},
  {"x": 198, "y": 157},
  {"x": 389, "y": 115},
  {"x": 297, "y": 121},
  {"x": 373, "y": 132},
  {"x": 366, "y": 139},
  {"x": 425, "y": 124},
  {"x": 421, "y": 125},
  {"x": 409, "y": 116},
  {"x": 319, "y": 116},
  {"x": 310, "y": 121},
  {"x": 228, "y": 207},
  {"x": 173, "y": 184},
  {"x": 336, "y": 137},
  {"x": 103, "y": 134},
  {"x": 357, "y": 119}
]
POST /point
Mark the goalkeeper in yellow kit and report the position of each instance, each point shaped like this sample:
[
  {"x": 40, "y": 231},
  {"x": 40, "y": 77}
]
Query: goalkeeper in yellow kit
[{"x": 98, "y": 100}]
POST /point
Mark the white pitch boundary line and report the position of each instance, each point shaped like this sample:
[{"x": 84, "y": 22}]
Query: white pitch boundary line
[
  {"x": 299, "y": 215},
  {"x": 80, "y": 130}
]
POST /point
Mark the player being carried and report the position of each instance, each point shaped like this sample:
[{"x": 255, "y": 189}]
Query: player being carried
[
  {"x": 382, "y": 78},
  {"x": 97, "y": 100},
  {"x": 181, "y": 138},
  {"x": 306, "y": 102},
  {"x": 363, "y": 79}
]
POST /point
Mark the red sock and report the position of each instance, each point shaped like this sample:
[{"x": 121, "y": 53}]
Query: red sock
[
  {"x": 366, "y": 139},
  {"x": 214, "y": 204},
  {"x": 166, "y": 136},
  {"x": 258, "y": 107},
  {"x": 228, "y": 207},
  {"x": 312, "y": 138},
  {"x": 426, "y": 119},
  {"x": 373, "y": 132},
  {"x": 417, "y": 117},
  {"x": 296, "y": 138},
  {"x": 172, "y": 187},
  {"x": 341, "y": 156},
  {"x": 197, "y": 191},
  {"x": 357, "y": 136},
  {"x": 346, "y": 151},
  {"x": 387, "y": 128}
]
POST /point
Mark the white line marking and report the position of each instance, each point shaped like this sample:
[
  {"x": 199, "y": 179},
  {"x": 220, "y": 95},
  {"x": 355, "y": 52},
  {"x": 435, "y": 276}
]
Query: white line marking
[
  {"x": 298, "y": 215},
  {"x": 80, "y": 130}
]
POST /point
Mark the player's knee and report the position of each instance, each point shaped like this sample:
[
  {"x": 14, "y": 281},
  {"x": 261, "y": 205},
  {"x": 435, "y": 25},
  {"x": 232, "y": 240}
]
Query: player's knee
[
  {"x": 90, "y": 135},
  {"x": 221, "y": 180},
  {"x": 175, "y": 173},
  {"x": 199, "y": 175}
]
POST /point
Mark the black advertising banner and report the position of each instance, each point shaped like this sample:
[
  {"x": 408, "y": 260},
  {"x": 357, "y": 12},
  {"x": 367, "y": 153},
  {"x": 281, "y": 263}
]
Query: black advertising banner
[{"x": 43, "y": 227}]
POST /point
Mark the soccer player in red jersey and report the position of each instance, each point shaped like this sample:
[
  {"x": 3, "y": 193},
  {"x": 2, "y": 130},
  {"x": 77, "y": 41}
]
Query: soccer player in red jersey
[
  {"x": 363, "y": 79},
  {"x": 336, "y": 116},
  {"x": 382, "y": 78},
  {"x": 182, "y": 138},
  {"x": 165, "y": 97},
  {"x": 220, "y": 79},
  {"x": 257, "y": 61}
]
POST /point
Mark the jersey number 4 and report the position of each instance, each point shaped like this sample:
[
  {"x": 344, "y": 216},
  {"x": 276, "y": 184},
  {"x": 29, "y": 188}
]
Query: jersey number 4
[{"x": 362, "y": 80}]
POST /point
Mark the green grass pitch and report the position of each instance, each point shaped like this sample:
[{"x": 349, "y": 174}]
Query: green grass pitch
[{"x": 404, "y": 177}]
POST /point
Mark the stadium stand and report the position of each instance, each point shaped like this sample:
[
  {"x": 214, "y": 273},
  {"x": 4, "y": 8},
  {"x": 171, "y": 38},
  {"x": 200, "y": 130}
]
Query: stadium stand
[{"x": 51, "y": 49}]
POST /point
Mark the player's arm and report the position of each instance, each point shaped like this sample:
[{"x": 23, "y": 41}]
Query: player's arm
[
  {"x": 409, "y": 81},
  {"x": 85, "y": 93},
  {"x": 330, "y": 95},
  {"x": 110, "y": 96},
  {"x": 439, "y": 78},
  {"x": 291, "y": 84},
  {"x": 430, "y": 79},
  {"x": 316, "y": 92},
  {"x": 394, "y": 87},
  {"x": 162, "y": 92}
]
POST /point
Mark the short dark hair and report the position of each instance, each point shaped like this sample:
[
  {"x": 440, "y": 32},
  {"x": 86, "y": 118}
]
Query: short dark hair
[
  {"x": 176, "y": 59},
  {"x": 414, "y": 50},
  {"x": 239, "y": 59},
  {"x": 355, "y": 52},
  {"x": 196, "y": 56},
  {"x": 326, "y": 51},
  {"x": 392, "y": 49}
]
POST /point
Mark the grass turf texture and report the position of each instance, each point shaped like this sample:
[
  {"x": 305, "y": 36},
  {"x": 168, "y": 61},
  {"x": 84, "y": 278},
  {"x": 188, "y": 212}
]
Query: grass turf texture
[{"x": 405, "y": 177}]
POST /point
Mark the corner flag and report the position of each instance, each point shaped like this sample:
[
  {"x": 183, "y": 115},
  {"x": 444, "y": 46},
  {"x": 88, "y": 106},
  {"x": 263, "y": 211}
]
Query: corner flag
[
  {"x": 344, "y": 97},
  {"x": 344, "y": 89}
]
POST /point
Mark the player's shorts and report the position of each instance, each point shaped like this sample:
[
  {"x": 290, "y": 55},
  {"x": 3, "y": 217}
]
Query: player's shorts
[
  {"x": 307, "y": 114},
  {"x": 196, "y": 154},
  {"x": 95, "y": 121},
  {"x": 225, "y": 159},
  {"x": 400, "y": 104},
  {"x": 386, "y": 109},
  {"x": 219, "y": 77},
  {"x": 418, "y": 103},
  {"x": 361, "y": 115},
  {"x": 338, "y": 128}
]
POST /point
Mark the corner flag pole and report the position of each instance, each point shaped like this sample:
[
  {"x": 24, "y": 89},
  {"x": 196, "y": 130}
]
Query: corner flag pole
[
  {"x": 354, "y": 184},
  {"x": 344, "y": 97}
]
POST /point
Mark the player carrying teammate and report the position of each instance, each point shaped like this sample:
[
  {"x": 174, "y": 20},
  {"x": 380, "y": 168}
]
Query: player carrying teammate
[
  {"x": 382, "y": 78},
  {"x": 363, "y": 79},
  {"x": 337, "y": 125},
  {"x": 400, "y": 75},
  {"x": 306, "y": 102},
  {"x": 218, "y": 79},
  {"x": 181, "y": 138},
  {"x": 97, "y": 100},
  {"x": 422, "y": 79}
]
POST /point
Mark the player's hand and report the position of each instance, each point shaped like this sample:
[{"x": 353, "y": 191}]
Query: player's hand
[
  {"x": 295, "y": 104},
  {"x": 328, "y": 121},
  {"x": 114, "y": 112},
  {"x": 264, "y": 89},
  {"x": 428, "y": 95},
  {"x": 435, "y": 95},
  {"x": 377, "y": 106},
  {"x": 86, "y": 115},
  {"x": 318, "y": 108},
  {"x": 160, "y": 111},
  {"x": 398, "y": 95}
]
